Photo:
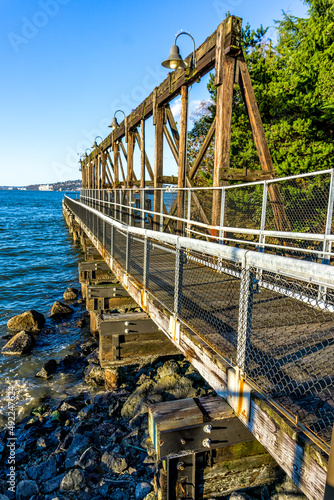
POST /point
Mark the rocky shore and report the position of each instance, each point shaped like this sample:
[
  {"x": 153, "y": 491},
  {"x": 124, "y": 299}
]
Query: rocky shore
[{"x": 95, "y": 444}]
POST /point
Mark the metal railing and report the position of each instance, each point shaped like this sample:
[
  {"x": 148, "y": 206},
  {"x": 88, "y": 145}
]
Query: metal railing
[
  {"x": 269, "y": 315},
  {"x": 297, "y": 224}
]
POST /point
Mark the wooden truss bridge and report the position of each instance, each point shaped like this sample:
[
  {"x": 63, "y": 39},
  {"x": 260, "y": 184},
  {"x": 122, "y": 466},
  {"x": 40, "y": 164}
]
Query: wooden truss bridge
[{"x": 249, "y": 301}]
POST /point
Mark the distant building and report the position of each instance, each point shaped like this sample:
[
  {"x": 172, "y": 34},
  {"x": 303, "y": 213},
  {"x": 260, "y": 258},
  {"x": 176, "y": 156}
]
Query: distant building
[{"x": 45, "y": 187}]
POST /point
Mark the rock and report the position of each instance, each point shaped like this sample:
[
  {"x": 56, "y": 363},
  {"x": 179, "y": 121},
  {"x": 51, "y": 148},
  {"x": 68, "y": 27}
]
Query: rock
[
  {"x": 47, "y": 369},
  {"x": 53, "y": 484},
  {"x": 70, "y": 294},
  {"x": 26, "y": 489},
  {"x": 59, "y": 309},
  {"x": 168, "y": 369},
  {"x": 30, "y": 321},
  {"x": 112, "y": 379},
  {"x": 78, "y": 445},
  {"x": 41, "y": 443},
  {"x": 68, "y": 360},
  {"x": 114, "y": 461},
  {"x": 93, "y": 357},
  {"x": 90, "y": 459},
  {"x": 22, "y": 343},
  {"x": 94, "y": 375},
  {"x": 81, "y": 322},
  {"x": 73, "y": 481},
  {"x": 44, "y": 471},
  {"x": 142, "y": 490},
  {"x": 88, "y": 347}
]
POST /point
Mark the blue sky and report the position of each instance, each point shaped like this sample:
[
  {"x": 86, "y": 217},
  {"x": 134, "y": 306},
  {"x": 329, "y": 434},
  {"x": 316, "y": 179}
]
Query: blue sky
[{"x": 69, "y": 64}]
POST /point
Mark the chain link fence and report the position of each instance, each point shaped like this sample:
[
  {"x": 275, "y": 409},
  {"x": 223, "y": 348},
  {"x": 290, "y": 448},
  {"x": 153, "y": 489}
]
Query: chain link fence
[{"x": 268, "y": 315}]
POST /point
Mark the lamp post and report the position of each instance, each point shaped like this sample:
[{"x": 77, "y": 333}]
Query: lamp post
[
  {"x": 114, "y": 123},
  {"x": 174, "y": 60},
  {"x": 89, "y": 173}
]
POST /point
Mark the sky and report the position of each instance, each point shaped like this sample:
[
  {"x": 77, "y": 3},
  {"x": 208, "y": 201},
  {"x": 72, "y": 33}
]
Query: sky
[{"x": 68, "y": 65}]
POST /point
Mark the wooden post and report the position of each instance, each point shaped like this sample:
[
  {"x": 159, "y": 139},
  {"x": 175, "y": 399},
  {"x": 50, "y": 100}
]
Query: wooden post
[
  {"x": 182, "y": 156},
  {"x": 158, "y": 162},
  {"x": 116, "y": 156},
  {"x": 224, "y": 80},
  {"x": 130, "y": 159}
]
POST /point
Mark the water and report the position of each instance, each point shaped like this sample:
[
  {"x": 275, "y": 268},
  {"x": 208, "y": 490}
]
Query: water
[{"x": 38, "y": 261}]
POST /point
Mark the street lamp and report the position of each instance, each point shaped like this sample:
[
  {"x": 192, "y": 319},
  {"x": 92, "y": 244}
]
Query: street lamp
[
  {"x": 175, "y": 60},
  {"x": 86, "y": 155},
  {"x": 95, "y": 145},
  {"x": 114, "y": 123}
]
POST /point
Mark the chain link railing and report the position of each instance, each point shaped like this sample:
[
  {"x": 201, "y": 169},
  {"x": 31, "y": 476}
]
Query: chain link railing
[
  {"x": 291, "y": 216},
  {"x": 271, "y": 316}
]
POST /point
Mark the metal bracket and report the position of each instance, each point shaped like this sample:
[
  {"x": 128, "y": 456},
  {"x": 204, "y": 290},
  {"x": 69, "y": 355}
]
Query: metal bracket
[{"x": 174, "y": 329}]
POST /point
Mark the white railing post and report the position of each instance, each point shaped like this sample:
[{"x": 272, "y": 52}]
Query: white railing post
[
  {"x": 263, "y": 216},
  {"x": 222, "y": 216},
  {"x": 189, "y": 213}
]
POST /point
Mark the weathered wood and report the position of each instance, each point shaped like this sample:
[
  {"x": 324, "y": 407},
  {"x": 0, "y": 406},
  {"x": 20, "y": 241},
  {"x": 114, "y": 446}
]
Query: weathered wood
[
  {"x": 158, "y": 163},
  {"x": 203, "y": 150},
  {"x": 282, "y": 222},
  {"x": 147, "y": 162},
  {"x": 171, "y": 86},
  {"x": 142, "y": 155},
  {"x": 130, "y": 159},
  {"x": 171, "y": 144},
  {"x": 223, "y": 133},
  {"x": 182, "y": 157},
  {"x": 116, "y": 157}
]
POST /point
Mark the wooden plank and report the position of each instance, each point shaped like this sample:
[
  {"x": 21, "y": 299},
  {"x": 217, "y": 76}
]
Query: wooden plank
[
  {"x": 173, "y": 126},
  {"x": 220, "y": 54},
  {"x": 171, "y": 144},
  {"x": 182, "y": 157}
]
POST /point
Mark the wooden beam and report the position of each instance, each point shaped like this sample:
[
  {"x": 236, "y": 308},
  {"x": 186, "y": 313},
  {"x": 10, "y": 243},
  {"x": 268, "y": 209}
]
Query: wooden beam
[
  {"x": 171, "y": 144},
  {"x": 130, "y": 159},
  {"x": 223, "y": 132},
  {"x": 173, "y": 126},
  {"x": 158, "y": 163},
  {"x": 281, "y": 219},
  {"x": 182, "y": 157},
  {"x": 171, "y": 86},
  {"x": 103, "y": 174},
  {"x": 203, "y": 150},
  {"x": 142, "y": 155},
  {"x": 147, "y": 161},
  {"x": 116, "y": 162}
]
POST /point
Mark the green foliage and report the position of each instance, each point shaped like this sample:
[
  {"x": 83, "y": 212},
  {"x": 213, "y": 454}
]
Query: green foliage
[{"x": 293, "y": 83}]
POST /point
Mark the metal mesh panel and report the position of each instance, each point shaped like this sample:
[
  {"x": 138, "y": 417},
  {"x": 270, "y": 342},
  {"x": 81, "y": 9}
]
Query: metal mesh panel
[
  {"x": 243, "y": 207},
  {"x": 210, "y": 300},
  {"x": 161, "y": 273},
  {"x": 120, "y": 247},
  {"x": 136, "y": 258},
  {"x": 289, "y": 348},
  {"x": 298, "y": 205}
]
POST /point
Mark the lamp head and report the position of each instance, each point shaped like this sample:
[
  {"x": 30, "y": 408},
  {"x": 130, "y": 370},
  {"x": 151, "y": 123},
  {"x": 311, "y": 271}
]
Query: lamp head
[
  {"x": 114, "y": 123},
  {"x": 174, "y": 60}
]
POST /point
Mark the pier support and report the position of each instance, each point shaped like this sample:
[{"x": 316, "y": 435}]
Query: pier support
[
  {"x": 204, "y": 450},
  {"x": 130, "y": 338}
]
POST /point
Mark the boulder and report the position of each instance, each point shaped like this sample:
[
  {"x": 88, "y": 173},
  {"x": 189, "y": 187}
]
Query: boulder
[
  {"x": 73, "y": 481},
  {"x": 115, "y": 462},
  {"x": 142, "y": 490},
  {"x": 22, "y": 343},
  {"x": 59, "y": 309},
  {"x": 53, "y": 484},
  {"x": 30, "y": 321},
  {"x": 47, "y": 369},
  {"x": 112, "y": 379},
  {"x": 94, "y": 375},
  {"x": 90, "y": 459},
  {"x": 70, "y": 294},
  {"x": 44, "y": 471},
  {"x": 168, "y": 369},
  {"x": 26, "y": 489}
]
